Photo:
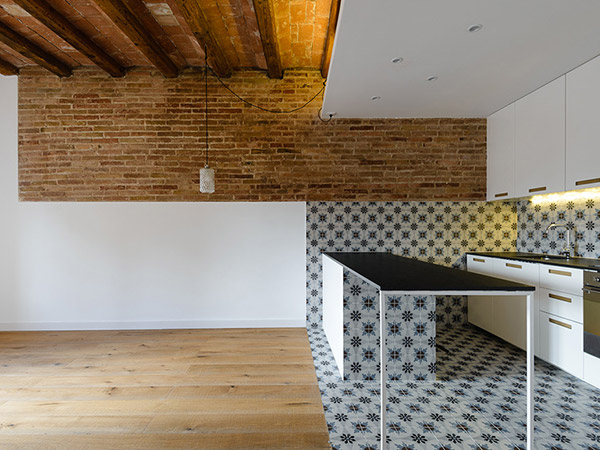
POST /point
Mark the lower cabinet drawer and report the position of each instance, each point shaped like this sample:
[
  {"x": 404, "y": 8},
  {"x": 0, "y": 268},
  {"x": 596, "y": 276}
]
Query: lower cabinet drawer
[
  {"x": 563, "y": 279},
  {"x": 562, "y": 304},
  {"x": 561, "y": 343},
  {"x": 481, "y": 264}
]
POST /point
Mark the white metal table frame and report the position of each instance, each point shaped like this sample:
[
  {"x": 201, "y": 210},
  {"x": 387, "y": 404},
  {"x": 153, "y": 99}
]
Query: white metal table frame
[
  {"x": 382, "y": 347},
  {"x": 529, "y": 353}
]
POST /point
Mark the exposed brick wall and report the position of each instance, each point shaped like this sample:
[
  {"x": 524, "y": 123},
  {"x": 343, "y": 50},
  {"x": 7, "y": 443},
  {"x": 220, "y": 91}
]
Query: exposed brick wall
[{"x": 91, "y": 137}]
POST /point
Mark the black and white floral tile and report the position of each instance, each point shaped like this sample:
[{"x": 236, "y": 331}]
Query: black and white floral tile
[
  {"x": 477, "y": 402},
  {"x": 410, "y": 333},
  {"x": 439, "y": 232},
  {"x": 581, "y": 215}
]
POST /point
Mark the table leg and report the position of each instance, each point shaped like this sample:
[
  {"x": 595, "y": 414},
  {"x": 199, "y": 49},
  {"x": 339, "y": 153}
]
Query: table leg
[
  {"x": 530, "y": 371},
  {"x": 382, "y": 360}
]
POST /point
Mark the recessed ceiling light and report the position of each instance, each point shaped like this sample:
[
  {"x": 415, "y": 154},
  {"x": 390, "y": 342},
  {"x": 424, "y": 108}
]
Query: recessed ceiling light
[
  {"x": 376, "y": 97},
  {"x": 431, "y": 78},
  {"x": 397, "y": 60},
  {"x": 475, "y": 28}
]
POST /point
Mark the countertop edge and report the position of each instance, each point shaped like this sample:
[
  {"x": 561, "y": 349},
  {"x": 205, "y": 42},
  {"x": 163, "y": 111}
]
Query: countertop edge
[
  {"x": 551, "y": 262},
  {"x": 362, "y": 277},
  {"x": 518, "y": 287}
]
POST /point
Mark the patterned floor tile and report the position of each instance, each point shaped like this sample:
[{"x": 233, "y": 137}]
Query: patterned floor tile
[{"x": 477, "y": 402}]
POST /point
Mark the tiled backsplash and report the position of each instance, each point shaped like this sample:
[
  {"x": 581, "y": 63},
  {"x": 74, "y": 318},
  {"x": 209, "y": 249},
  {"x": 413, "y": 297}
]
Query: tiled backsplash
[
  {"x": 581, "y": 215},
  {"x": 439, "y": 232}
]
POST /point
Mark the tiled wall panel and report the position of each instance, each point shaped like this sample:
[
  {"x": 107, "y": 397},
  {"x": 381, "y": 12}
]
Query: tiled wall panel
[{"x": 439, "y": 232}]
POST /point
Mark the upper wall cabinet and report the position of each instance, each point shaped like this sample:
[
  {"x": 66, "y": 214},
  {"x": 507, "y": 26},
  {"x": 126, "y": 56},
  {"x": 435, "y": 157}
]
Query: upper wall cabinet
[
  {"x": 540, "y": 141},
  {"x": 583, "y": 126},
  {"x": 501, "y": 154}
]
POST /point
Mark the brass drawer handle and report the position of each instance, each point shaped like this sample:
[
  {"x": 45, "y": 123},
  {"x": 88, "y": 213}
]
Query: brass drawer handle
[
  {"x": 538, "y": 189},
  {"x": 590, "y": 181},
  {"x": 559, "y": 323},
  {"x": 479, "y": 260},
  {"x": 560, "y": 297},
  {"x": 514, "y": 266},
  {"x": 559, "y": 272},
  {"x": 502, "y": 194}
]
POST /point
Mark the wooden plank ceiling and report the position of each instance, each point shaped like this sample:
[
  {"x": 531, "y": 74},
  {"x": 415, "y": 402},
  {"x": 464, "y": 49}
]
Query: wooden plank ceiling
[{"x": 170, "y": 35}]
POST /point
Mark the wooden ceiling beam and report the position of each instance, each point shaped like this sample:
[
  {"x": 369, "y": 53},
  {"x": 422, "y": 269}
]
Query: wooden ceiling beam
[
  {"x": 31, "y": 51},
  {"x": 7, "y": 68},
  {"x": 268, "y": 36},
  {"x": 198, "y": 23},
  {"x": 124, "y": 18},
  {"x": 55, "y": 21},
  {"x": 334, "y": 14}
]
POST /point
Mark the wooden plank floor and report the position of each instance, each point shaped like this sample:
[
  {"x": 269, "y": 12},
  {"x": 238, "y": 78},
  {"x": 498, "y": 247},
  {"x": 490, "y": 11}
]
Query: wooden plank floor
[{"x": 235, "y": 388}]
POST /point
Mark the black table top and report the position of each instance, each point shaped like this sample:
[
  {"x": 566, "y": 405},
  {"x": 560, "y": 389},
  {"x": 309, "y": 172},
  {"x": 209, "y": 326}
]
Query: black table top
[
  {"x": 574, "y": 262},
  {"x": 396, "y": 273}
]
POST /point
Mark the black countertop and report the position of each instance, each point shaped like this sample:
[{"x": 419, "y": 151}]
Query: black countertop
[
  {"x": 396, "y": 273},
  {"x": 574, "y": 262}
]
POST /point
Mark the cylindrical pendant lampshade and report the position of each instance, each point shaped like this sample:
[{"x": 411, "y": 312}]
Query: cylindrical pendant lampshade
[{"x": 207, "y": 180}]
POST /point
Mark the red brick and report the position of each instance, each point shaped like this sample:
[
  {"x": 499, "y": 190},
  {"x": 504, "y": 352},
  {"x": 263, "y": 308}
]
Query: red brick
[{"x": 141, "y": 138}]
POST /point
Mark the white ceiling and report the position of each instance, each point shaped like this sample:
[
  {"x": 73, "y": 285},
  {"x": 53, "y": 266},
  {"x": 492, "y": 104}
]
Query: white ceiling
[{"x": 523, "y": 45}]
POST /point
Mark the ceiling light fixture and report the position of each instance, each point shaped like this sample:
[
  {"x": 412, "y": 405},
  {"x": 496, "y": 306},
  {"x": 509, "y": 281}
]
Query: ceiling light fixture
[
  {"x": 376, "y": 97},
  {"x": 397, "y": 60},
  {"x": 207, "y": 175},
  {"x": 475, "y": 28},
  {"x": 431, "y": 78}
]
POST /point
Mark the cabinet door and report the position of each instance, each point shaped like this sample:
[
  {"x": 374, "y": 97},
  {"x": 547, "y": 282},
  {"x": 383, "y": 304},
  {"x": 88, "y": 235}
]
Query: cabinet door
[
  {"x": 591, "y": 370},
  {"x": 510, "y": 312},
  {"x": 540, "y": 141},
  {"x": 481, "y": 312},
  {"x": 583, "y": 122},
  {"x": 501, "y": 154},
  {"x": 481, "y": 307},
  {"x": 561, "y": 343}
]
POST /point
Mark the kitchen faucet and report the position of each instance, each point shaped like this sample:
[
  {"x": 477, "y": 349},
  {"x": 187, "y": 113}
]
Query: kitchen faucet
[{"x": 567, "y": 248}]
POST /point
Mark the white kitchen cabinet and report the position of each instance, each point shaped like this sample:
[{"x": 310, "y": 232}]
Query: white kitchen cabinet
[
  {"x": 561, "y": 317},
  {"x": 583, "y": 122},
  {"x": 558, "y": 311},
  {"x": 540, "y": 140},
  {"x": 563, "y": 279},
  {"x": 481, "y": 307},
  {"x": 510, "y": 312},
  {"x": 591, "y": 370},
  {"x": 561, "y": 343},
  {"x": 562, "y": 304},
  {"x": 501, "y": 154},
  {"x": 482, "y": 264}
]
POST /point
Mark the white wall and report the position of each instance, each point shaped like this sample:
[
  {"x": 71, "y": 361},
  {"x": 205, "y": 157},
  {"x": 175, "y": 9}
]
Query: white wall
[{"x": 144, "y": 265}]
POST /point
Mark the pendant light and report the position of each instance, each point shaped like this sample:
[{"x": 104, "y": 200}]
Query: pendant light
[{"x": 207, "y": 175}]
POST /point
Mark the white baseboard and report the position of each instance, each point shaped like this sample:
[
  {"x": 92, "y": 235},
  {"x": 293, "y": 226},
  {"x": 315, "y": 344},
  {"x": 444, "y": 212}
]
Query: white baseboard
[{"x": 151, "y": 325}]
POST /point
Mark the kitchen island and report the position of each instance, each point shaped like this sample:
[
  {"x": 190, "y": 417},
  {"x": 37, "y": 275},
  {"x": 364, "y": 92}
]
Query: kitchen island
[{"x": 409, "y": 286}]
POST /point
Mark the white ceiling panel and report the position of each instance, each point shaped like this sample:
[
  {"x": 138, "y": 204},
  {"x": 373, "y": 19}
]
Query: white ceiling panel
[{"x": 523, "y": 45}]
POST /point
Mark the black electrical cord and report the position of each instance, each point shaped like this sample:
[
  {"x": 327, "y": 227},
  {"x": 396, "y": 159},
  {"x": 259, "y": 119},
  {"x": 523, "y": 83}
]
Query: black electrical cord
[
  {"x": 272, "y": 111},
  {"x": 323, "y": 120},
  {"x": 206, "y": 100}
]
